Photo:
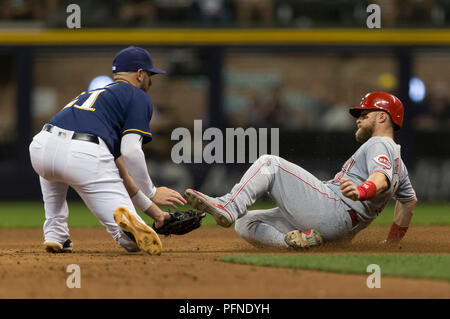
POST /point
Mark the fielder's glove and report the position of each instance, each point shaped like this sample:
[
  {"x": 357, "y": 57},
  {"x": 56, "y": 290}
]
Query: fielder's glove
[{"x": 180, "y": 223}]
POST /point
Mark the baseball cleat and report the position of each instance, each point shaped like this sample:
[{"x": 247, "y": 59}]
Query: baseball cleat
[
  {"x": 298, "y": 239},
  {"x": 206, "y": 204},
  {"x": 145, "y": 236},
  {"x": 55, "y": 247}
]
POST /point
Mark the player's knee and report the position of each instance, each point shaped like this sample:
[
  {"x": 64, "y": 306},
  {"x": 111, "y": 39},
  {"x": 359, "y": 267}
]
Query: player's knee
[
  {"x": 265, "y": 158},
  {"x": 243, "y": 225},
  {"x": 268, "y": 158}
]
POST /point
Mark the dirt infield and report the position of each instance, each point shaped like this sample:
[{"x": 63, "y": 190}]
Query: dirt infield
[{"x": 189, "y": 268}]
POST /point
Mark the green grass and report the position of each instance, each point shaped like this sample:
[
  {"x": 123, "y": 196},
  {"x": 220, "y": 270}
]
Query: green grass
[
  {"x": 31, "y": 214},
  {"x": 414, "y": 266},
  {"x": 425, "y": 214}
]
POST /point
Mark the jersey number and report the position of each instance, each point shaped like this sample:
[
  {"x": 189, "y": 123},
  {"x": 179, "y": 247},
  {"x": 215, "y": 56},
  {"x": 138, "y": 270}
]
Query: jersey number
[
  {"x": 345, "y": 169},
  {"x": 87, "y": 105}
]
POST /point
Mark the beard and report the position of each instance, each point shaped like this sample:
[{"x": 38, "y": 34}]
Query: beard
[
  {"x": 363, "y": 134},
  {"x": 145, "y": 87}
]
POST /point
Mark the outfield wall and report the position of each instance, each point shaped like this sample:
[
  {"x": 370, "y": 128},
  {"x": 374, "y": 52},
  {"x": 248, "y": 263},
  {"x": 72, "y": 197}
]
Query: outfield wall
[{"x": 230, "y": 78}]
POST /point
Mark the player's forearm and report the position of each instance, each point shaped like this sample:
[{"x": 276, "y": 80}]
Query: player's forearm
[
  {"x": 139, "y": 199},
  {"x": 134, "y": 160},
  {"x": 374, "y": 185},
  {"x": 380, "y": 180},
  {"x": 154, "y": 212},
  {"x": 402, "y": 217},
  {"x": 403, "y": 212},
  {"x": 137, "y": 168},
  {"x": 129, "y": 183}
]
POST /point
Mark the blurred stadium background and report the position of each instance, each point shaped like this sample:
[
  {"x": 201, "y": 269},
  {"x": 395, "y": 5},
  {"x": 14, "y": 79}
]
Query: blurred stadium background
[{"x": 296, "y": 65}]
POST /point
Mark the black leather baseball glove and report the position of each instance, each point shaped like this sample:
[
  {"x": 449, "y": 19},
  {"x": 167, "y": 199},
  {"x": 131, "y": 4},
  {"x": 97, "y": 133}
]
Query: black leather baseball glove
[{"x": 180, "y": 223}]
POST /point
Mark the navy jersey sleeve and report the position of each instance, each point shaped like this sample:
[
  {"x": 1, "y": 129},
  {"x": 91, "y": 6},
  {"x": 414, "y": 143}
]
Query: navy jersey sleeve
[{"x": 138, "y": 115}]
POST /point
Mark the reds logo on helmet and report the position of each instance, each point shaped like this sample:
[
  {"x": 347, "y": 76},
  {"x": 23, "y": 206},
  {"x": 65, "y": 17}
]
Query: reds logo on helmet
[{"x": 383, "y": 160}]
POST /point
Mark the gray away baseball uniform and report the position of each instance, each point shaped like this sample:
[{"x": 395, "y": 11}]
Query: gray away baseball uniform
[
  {"x": 378, "y": 154},
  {"x": 304, "y": 202}
]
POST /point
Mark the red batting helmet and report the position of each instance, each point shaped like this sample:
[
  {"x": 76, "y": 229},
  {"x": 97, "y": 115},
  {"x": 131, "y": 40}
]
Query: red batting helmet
[{"x": 384, "y": 102}]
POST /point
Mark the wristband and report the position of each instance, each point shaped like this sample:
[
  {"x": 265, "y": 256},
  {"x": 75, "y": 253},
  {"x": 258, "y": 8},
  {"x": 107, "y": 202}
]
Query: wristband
[
  {"x": 367, "y": 190},
  {"x": 141, "y": 201},
  {"x": 396, "y": 233}
]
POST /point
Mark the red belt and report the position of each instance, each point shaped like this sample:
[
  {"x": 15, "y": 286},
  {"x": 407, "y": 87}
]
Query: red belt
[{"x": 354, "y": 217}]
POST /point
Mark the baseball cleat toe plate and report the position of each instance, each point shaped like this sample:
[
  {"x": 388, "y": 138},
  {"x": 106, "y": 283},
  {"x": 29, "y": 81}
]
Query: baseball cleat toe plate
[
  {"x": 203, "y": 203},
  {"x": 145, "y": 236}
]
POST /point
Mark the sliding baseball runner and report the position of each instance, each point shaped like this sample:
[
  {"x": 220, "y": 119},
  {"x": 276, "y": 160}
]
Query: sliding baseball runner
[{"x": 309, "y": 211}]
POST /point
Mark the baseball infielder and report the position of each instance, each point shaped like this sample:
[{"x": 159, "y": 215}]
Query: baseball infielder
[
  {"x": 310, "y": 211},
  {"x": 81, "y": 146}
]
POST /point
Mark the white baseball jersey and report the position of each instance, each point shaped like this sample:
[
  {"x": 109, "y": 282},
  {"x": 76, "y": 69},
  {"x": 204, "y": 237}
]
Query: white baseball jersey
[{"x": 378, "y": 154}]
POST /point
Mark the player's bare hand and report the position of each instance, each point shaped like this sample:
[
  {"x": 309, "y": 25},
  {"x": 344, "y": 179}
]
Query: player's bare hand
[
  {"x": 349, "y": 189},
  {"x": 168, "y": 197}
]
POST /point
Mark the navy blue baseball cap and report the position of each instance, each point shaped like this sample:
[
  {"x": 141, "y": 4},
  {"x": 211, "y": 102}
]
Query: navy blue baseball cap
[{"x": 133, "y": 59}]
